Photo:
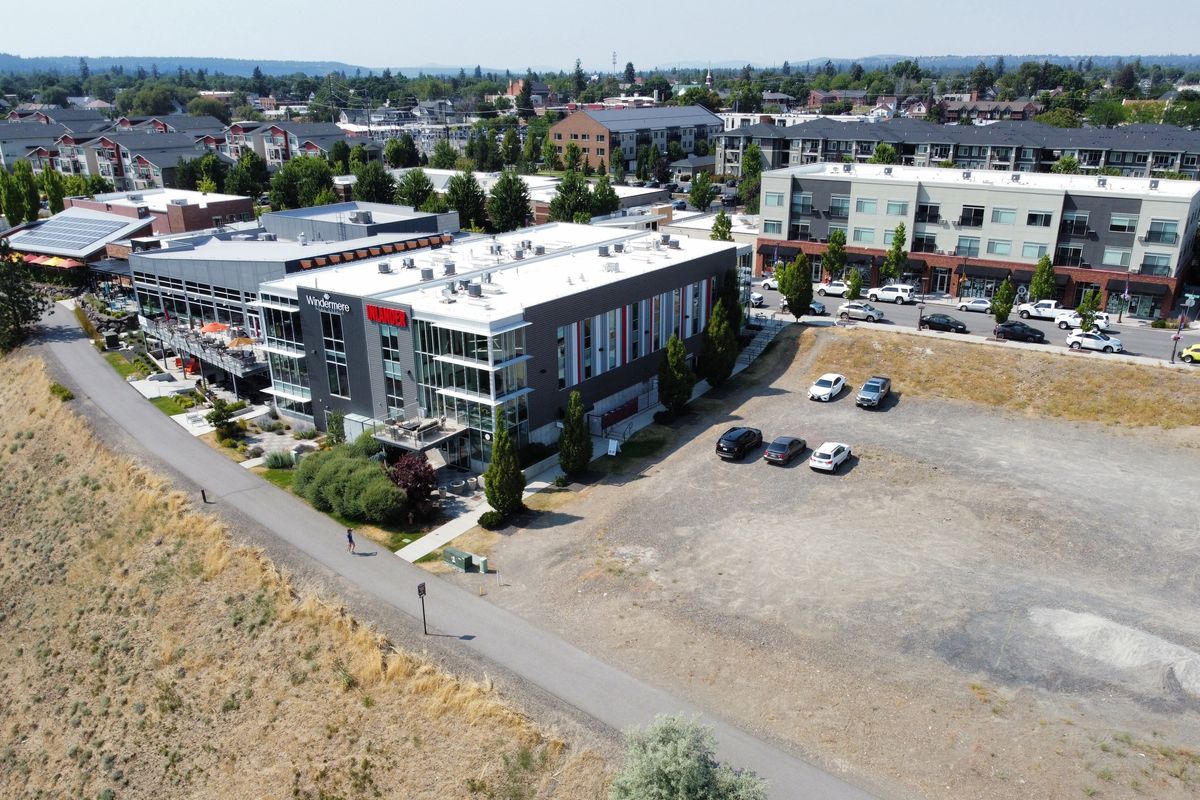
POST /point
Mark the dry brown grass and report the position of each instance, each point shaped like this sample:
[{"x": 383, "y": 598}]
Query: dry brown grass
[
  {"x": 143, "y": 653},
  {"x": 1037, "y": 384}
]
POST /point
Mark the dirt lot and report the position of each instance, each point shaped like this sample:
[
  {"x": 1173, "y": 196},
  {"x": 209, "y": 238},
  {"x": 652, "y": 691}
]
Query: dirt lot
[{"x": 989, "y": 602}]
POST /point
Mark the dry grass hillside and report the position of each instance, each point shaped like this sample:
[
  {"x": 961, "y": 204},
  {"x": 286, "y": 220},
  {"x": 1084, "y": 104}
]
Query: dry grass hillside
[{"x": 142, "y": 655}]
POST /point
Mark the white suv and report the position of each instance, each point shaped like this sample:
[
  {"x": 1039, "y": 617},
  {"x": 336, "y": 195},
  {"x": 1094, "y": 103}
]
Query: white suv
[
  {"x": 1073, "y": 319},
  {"x": 896, "y": 293},
  {"x": 833, "y": 287}
]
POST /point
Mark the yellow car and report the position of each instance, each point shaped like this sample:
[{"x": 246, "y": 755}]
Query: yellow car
[{"x": 1191, "y": 353}]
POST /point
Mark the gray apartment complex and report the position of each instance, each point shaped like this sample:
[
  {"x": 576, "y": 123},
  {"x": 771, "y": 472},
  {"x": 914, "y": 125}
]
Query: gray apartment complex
[
  {"x": 967, "y": 230},
  {"x": 1132, "y": 150},
  {"x": 424, "y": 349}
]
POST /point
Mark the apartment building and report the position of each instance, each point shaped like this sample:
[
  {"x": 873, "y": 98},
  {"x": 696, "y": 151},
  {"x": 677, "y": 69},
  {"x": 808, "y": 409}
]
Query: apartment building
[
  {"x": 425, "y": 350},
  {"x": 599, "y": 133},
  {"x": 968, "y": 230},
  {"x": 169, "y": 123},
  {"x": 977, "y": 111},
  {"x": 1132, "y": 150},
  {"x": 278, "y": 142},
  {"x": 25, "y": 140},
  {"x": 78, "y": 120},
  {"x": 132, "y": 161}
]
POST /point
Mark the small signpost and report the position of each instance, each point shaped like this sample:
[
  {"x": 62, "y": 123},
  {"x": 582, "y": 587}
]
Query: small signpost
[{"x": 421, "y": 594}]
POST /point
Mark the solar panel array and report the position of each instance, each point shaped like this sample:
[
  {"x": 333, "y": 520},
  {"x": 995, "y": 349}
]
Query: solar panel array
[{"x": 69, "y": 234}]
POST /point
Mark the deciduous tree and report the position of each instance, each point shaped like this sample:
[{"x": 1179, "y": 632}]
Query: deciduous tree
[
  {"x": 703, "y": 191},
  {"x": 373, "y": 183},
  {"x": 22, "y": 299},
  {"x": 751, "y": 177},
  {"x": 835, "y": 254},
  {"x": 1041, "y": 286},
  {"x": 884, "y": 154},
  {"x": 722, "y": 229},
  {"x": 795, "y": 284},
  {"x": 897, "y": 257},
  {"x": 1089, "y": 306},
  {"x": 854, "y": 284},
  {"x": 508, "y": 203},
  {"x": 1002, "y": 301},
  {"x": 300, "y": 182}
]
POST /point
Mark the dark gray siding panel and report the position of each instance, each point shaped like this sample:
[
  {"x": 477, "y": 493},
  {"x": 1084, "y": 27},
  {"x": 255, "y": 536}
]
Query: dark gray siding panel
[{"x": 1099, "y": 209}]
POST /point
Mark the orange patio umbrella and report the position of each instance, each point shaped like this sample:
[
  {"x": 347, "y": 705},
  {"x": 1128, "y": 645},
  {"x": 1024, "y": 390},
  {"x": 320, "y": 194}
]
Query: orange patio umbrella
[
  {"x": 214, "y": 327},
  {"x": 241, "y": 341}
]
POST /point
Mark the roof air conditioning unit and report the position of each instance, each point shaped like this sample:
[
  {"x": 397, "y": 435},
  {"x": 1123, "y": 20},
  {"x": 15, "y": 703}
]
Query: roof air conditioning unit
[
  {"x": 612, "y": 266},
  {"x": 663, "y": 238},
  {"x": 495, "y": 248},
  {"x": 474, "y": 290},
  {"x": 384, "y": 268},
  {"x": 448, "y": 268},
  {"x": 966, "y": 174},
  {"x": 1154, "y": 183},
  {"x": 673, "y": 244},
  {"x": 604, "y": 251},
  {"x": 527, "y": 244},
  {"x": 846, "y": 167},
  {"x": 426, "y": 274},
  {"x": 887, "y": 170},
  {"x": 619, "y": 247},
  {"x": 134, "y": 198},
  {"x": 365, "y": 217},
  {"x": 1016, "y": 177},
  {"x": 1102, "y": 182},
  {"x": 178, "y": 201},
  {"x": 539, "y": 250},
  {"x": 518, "y": 254}
]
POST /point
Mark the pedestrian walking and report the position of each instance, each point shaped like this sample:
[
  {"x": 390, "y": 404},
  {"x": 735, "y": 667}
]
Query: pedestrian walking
[{"x": 349, "y": 540}]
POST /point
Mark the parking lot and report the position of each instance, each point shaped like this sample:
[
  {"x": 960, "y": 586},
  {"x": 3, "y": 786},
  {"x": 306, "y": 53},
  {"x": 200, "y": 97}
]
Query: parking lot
[
  {"x": 974, "y": 606},
  {"x": 1137, "y": 338}
]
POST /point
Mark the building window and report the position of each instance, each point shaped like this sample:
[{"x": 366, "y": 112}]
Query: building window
[
  {"x": 999, "y": 247},
  {"x": 1116, "y": 257},
  {"x": 1033, "y": 250},
  {"x": 574, "y": 136},
  {"x": 635, "y": 334},
  {"x": 924, "y": 243},
  {"x": 557, "y": 136},
  {"x": 972, "y": 217},
  {"x": 865, "y": 205},
  {"x": 864, "y": 235},
  {"x": 1004, "y": 216},
  {"x": 1068, "y": 255},
  {"x": 968, "y": 246},
  {"x": 839, "y": 206},
  {"x": 802, "y": 203},
  {"x": 599, "y": 151},
  {"x": 1163, "y": 231},
  {"x": 599, "y": 137},
  {"x": 1156, "y": 264},
  {"x": 1074, "y": 223},
  {"x": 587, "y": 348},
  {"x": 928, "y": 212},
  {"x": 585, "y": 137},
  {"x": 774, "y": 199},
  {"x": 334, "y": 341},
  {"x": 897, "y": 208},
  {"x": 772, "y": 226},
  {"x": 1039, "y": 219},
  {"x": 842, "y": 228},
  {"x": 562, "y": 358},
  {"x": 586, "y": 150},
  {"x": 1123, "y": 223},
  {"x": 889, "y": 236}
]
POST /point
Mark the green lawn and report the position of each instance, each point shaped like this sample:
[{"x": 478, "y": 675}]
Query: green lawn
[
  {"x": 280, "y": 477},
  {"x": 118, "y": 362},
  {"x": 167, "y": 405}
]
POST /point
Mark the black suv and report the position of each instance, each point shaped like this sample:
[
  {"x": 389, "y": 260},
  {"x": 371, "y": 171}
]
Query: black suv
[
  {"x": 736, "y": 442},
  {"x": 1019, "y": 332}
]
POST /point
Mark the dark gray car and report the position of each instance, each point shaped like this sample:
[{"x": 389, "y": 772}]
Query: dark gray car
[{"x": 873, "y": 392}]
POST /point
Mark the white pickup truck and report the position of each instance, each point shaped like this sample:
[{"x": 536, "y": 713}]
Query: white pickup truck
[{"x": 1042, "y": 309}]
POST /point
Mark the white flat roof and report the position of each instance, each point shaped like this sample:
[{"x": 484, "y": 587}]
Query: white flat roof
[
  {"x": 571, "y": 264},
  {"x": 158, "y": 199},
  {"x": 214, "y": 249},
  {"x": 703, "y": 221},
  {"x": 998, "y": 179}
]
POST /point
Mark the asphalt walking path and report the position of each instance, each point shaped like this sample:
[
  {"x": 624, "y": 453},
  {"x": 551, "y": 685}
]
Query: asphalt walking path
[{"x": 595, "y": 688}]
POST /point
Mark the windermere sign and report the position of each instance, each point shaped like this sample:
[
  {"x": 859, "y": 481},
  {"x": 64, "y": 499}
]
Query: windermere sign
[
  {"x": 325, "y": 304},
  {"x": 387, "y": 316}
]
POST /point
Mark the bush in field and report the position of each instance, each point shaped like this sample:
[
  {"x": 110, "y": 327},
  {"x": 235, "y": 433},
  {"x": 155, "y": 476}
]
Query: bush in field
[
  {"x": 381, "y": 500},
  {"x": 350, "y": 485},
  {"x": 278, "y": 459}
]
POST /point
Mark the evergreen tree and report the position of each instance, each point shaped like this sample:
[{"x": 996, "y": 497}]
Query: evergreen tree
[
  {"x": 572, "y": 156},
  {"x": 444, "y": 155},
  {"x": 675, "y": 377},
  {"x": 373, "y": 183},
  {"x": 550, "y": 154},
  {"x": 524, "y": 101},
  {"x": 465, "y": 196},
  {"x": 730, "y": 292},
  {"x": 795, "y": 284},
  {"x": 618, "y": 165},
  {"x": 12, "y": 200},
  {"x": 27, "y": 184},
  {"x": 751, "y": 177},
  {"x": 339, "y": 157},
  {"x": 508, "y": 203},
  {"x": 604, "y": 198},
  {"x": 413, "y": 188},
  {"x": 574, "y": 443},
  {"x": 722, "y": 229},
  {"x": 571, "y": 198},
  {"x": 53, "y": 183},
  {"x": 529, "y": 153},
  {"x": 630, "y": 74},
  {"x": 510, "y": 148},
  {"x": 835, "y": 254},
  {"x": 503, "y": 482},
  {"x": 718, "y": 350},
  {"x": 1041, "y": 286},
  {"x": 1002, "y": 301},
  {"x": 897, "y": 257},
  {"x": 22, "y": 298}
]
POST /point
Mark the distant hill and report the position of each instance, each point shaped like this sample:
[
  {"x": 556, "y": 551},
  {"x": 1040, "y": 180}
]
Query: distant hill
[
  {"x": 941, "y": 63},
  {"x": 241, "y": 67}
]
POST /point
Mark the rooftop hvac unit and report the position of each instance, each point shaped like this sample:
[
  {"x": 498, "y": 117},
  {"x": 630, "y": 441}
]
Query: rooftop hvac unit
[
  {"x": 1154, "y": 183},
  {"x": 1016, "y": 177},
  {"x": 887, "y": 170},
  {"x": 426, "y": 273},
  {"x": 966, "y": 174},
  {"x": 619, "y": 247},
  {"x": 495, "y": 248},
  {"x": 474, "y": 290},
  {"x": 143, "y": 212},
  {"x": 1102, "y": 182},
  {"x": 365, "y": 217},
  {"x": 408, "y": 262},
  {"x": 612, "y": 266},
  {"x": 384, "y": 267},
  {"x": 527, "y": 243},
  {"x": 539, "y": 250},
  {"x": 134, "y": 198},
  {"x": 846, "y": 167},
  {"x": 663, "y": 238},
  {"x": 448, "y": 268},
  {"x": 518, "y": 254},
  {"x": 266, "y": 237},
  {"x": 673, "y": 244},
  {"x": 177, "y": 201},
  {"x": 604, "y": 251}
]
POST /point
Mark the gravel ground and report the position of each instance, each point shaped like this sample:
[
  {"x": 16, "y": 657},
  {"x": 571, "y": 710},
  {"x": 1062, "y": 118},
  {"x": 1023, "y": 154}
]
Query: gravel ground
[{"x": 978, "y": 605}]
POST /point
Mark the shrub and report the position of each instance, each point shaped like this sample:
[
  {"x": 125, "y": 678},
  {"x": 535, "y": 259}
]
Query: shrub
[
  {"x": 664, "y": 417},
  {"x": 414, "y": 475},
  {"x": 237, "y": 405},
  {"x": 254, "y": 452},
  {"x": 230, "y": 443},
  {"x": 327, "y": 486},
  {"x": 1158, "y": 323},
  {"x": 347, "y": 497},
  {"x": 277, "y": 459},
  {"x": 61, "y": 392},
  {"x": 491, "y": 520},
  {"x": 366, "y": 445},
  {"x": 561, "y": 481},
  {"x": 307, "y": 470},
  {"x": 381, "y": 501},
  {"x": 307, "y": 433}
]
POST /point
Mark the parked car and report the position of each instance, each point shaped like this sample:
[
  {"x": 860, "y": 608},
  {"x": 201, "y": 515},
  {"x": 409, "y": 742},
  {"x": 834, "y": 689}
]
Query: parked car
[
  {"x": 1018, "y": 331},
  {"x": 860, "y": 310},
  {"x": 783, "y": 450},
  {"x": 827, "y": 387},
  {"x": 1042, "y": 309},
  {"x": 942, "y": 322},
  {"x": 652, "y": 184},
  {"x": 679, "y": 205},
  {"x": 873, "y": 392},
  {"x": 770, "y": 283},
  {"x": 1073, "y": 319},
  {"x": 671, "y": 187},
  {"x": 757, "y": 300},
  {"x": 1190, "y": 354},
  {"x": 736, "y": 442},
  {"x": 1094, "y": 340},
  {"x": 816, "y": 308},
  {"x": 896, "y": 293},
  {"x": 829, "y": 456},
  {"x": 981, "y": 304},
  {"x": 832, "y": 287}
]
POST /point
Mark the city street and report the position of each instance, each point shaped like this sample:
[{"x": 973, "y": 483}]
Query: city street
[{"x": 1138, "y": 339}]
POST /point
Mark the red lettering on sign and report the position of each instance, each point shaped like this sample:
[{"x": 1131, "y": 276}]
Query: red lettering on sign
[{"x": 388, "y": 316}]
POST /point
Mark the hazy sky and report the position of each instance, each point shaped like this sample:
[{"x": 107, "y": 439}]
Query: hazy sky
[{"x": 398, "y": 33}]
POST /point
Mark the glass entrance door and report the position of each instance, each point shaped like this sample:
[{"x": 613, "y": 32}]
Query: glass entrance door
[{"x": 941, "y": 281}]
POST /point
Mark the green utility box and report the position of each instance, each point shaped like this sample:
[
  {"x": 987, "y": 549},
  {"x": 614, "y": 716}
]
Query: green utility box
[{"x": 459, "y": 559}]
